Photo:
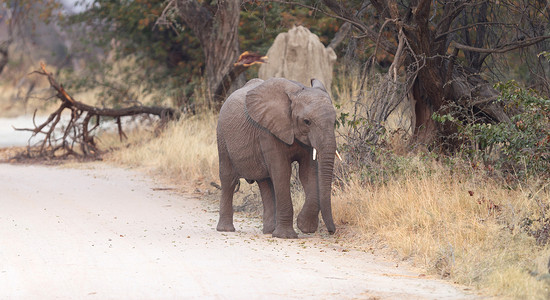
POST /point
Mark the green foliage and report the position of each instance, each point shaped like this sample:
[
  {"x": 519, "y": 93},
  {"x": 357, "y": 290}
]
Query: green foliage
[
  {"x": 28, "y": 35},
  {"x": 30, "y": 10},
  {"x": 520, "y": 147},
  {"x": 369, "y": 157},
  {"x": 129, "y": 58}
]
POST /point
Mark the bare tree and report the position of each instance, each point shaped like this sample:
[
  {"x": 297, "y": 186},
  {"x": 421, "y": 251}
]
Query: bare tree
[
  {"x": 447, "y": 44},
  {"x": 215, "y": 24}
]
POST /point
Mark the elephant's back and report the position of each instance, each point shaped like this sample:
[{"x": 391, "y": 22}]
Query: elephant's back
[
  {"x": 233, "y": 111},
  {"x": 238, "y": 97},
  {"x": 239, "y": 137}
]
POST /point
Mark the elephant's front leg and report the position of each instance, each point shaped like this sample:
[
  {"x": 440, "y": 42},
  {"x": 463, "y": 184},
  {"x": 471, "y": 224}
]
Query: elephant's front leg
[
  {"x": 284, "y": 211},
  {"x": 268, "y": 199},
  {"x": 308, "y": 218}
]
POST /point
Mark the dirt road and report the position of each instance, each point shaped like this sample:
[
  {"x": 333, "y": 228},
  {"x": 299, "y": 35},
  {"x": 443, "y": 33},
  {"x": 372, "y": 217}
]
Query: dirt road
[{"x": 101, "y": 232}]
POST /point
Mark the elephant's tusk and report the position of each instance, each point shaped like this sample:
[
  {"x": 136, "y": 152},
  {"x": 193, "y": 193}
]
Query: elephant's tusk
[
  {"x": 314, "y": 153},
  {"x": 338, "y": 154}
]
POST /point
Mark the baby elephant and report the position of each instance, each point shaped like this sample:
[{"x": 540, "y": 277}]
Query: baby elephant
[{"x": 264, "y": 127}]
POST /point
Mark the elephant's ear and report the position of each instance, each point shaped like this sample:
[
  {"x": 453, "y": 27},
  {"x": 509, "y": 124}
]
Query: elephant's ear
[
  {"x": 268, "y": 104},
  {"x": 316, "y": 83}
]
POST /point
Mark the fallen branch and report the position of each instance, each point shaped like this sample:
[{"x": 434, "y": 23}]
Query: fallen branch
[{"x": 78, "y": 131}]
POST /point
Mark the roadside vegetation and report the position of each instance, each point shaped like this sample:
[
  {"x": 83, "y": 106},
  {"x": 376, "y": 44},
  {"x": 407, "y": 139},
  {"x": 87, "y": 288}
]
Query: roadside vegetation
[
  {"x": 477, "y": 215},
  {"x": 184, "y": 150},
  {"x": 475, "y": 222},
  {"x": 463, "y": 193}
]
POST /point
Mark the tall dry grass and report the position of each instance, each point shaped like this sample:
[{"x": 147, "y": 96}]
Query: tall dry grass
[
  {"x": 447, "y": 218},
  {"x": 454, "y": 223},
  {"x": 184, "y": 150}
]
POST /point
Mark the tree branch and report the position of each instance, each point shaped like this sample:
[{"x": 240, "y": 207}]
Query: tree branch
[
  {"x": 76, "y": 132},
  {"x": 442, "y": 35},
  {"x": 197, "y": 17},
  {"x": 340, "y": 35},
  {"x": 341, "y": 13},
  {"x": 502, "y": 49}
]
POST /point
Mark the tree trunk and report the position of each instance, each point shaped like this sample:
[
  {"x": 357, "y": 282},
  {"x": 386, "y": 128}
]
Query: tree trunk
[
  {"x": 216, "y": 27},
  {"x": 428, "y": 95},
  {"x": 4, "y": 54},
  {"x": 436, "y": 32},
  {"x": 424, "y": 127},
  {"x": 222, "y": 48}
]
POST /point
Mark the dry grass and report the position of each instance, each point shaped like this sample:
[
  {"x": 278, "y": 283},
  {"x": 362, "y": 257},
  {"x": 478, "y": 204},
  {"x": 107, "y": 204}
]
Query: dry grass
[
  {"x": 456, "y": 224},
  {"x": 452, "y": 221},
  {"x": 185, "y": 150},
  {"x": 345, "y": 92}
]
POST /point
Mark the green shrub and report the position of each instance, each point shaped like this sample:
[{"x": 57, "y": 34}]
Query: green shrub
[{"x": 520, "y": 147}]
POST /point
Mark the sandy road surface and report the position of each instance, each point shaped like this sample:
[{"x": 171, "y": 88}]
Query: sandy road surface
[{"x": 108, "y": 233}]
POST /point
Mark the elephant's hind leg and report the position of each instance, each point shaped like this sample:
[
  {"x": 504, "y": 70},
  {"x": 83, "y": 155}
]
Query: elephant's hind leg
[
  {"x": 226, "y": 205},
  {"x": 229, "y": 181},
  {"x": 268, "y": 199}
]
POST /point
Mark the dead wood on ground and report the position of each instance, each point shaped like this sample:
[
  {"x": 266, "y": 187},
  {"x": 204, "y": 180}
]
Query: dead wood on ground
[{"x": 75, "y": 136}]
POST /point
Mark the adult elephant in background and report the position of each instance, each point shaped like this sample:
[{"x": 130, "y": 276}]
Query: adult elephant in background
[{"x": 264, "y": 127}]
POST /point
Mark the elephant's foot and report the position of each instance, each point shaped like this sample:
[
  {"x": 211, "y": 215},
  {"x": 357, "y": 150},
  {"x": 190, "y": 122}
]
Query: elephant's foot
[
  {"x": 285, "y": 233},
  {"x": 269, "y": 223},
  {"x": 308, "y": 224},
  {"x": 268, "y": 228},
  {"x": 225, "y": 226}
]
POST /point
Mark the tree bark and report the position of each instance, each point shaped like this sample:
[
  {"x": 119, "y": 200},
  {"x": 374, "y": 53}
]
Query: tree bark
[
  {"x": 216, "y": 27},
  {"x": 4, "y": 56}
]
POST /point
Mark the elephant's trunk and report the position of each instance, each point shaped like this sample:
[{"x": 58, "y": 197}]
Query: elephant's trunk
[{"x": 325, "y": 173}]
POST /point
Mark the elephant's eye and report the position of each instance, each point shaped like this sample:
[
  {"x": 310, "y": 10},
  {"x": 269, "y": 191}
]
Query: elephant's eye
[{"x": 307, "y": 121}]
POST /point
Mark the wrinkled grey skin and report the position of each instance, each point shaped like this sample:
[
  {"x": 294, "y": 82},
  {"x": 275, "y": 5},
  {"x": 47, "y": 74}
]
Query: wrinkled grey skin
[{"x": 265, "y": 126}]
